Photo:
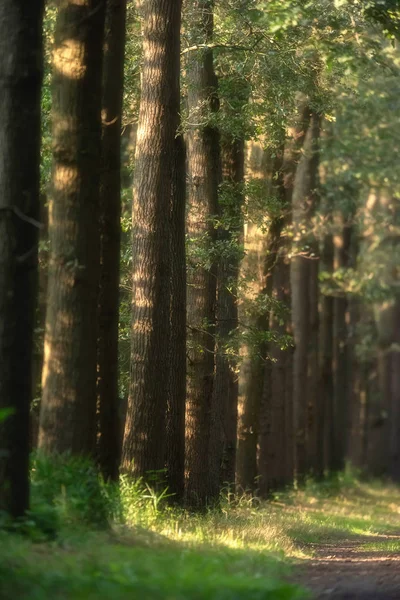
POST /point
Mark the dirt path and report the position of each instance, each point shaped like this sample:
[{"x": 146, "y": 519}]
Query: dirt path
[{"x": 348, "y": 570}]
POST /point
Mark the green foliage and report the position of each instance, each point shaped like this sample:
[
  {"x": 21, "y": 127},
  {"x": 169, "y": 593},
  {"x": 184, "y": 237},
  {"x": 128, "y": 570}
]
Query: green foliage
[
  {"x": 5, "y": 413},
  {"x": 73, "y": 488}
]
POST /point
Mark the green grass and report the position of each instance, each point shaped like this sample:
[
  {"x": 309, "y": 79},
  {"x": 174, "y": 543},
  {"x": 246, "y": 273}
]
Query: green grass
[
  {"x": 86, "y": 540},
  {"x": 102, "y": 567}
]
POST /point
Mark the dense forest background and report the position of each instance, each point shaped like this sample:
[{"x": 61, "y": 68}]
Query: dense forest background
[{"x": 235, "y": 322}]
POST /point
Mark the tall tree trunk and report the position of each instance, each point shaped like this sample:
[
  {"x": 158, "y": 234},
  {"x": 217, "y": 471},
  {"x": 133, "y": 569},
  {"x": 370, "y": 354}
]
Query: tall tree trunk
[
  {"x": 144, "y": 446},
  {"x": 225, "y": 400},
  {"x": 175, "y": 458},
  {"x": 314, "y": 438},
  {"x": 270, "y": 440},
  {"x": 251, "y": 375},
  {"x": 297, "y": 134},
  {"x": 203, "y": 179},
  {"x": 21, "y": 60},
  {"x": 385, "y": 419},
  {"x": 303, "y": 201},
  {"x": 110, "y": 240},
  {"x": 326, "y": 426},
  {"x": 68, "y": 409},
  {"x": 341, "y": 241},
  {"x": 394, "y": 407}
]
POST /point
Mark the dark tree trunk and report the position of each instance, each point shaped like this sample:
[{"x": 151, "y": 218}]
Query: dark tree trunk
[
  {"x": 270, "y": 440},
  {"x": 144, "y": 446},
  {"x": 203, "y": 178},
  {"x": 175, "y": 461},
  {"x": 68, "y": 409},
  {"x": 303, "y": 201},
  {"x": 225, "y": 401},
  {"x": 110, "y": 240},
  {"x": 342, "y": 241},
  {"x": 314, "y": 438},
  {"x": 326, "y": 426},
  {"x": 21, "y": 56}
]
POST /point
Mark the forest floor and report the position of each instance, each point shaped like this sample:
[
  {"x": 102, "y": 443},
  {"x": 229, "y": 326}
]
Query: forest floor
[
  {"x": 353, "y": 569},
  {"x": 336, "y": 540},
  {"x": 357, "y": 556}
]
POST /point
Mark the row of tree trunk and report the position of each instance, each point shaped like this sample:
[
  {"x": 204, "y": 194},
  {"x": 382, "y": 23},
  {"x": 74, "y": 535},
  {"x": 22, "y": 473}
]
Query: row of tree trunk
[{"x": 291, "y": 406}]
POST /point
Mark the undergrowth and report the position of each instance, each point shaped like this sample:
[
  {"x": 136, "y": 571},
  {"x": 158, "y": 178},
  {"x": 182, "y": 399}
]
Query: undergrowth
[{"x": 86, "y": 539}]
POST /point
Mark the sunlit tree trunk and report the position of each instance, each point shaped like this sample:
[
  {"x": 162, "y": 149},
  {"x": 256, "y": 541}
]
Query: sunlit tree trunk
[
  {"x": 110, "y": 242},
  {"x": 144, "y": 446},
  {"x": 21, "y": 60},
  {"x": 68, "y": 409},
  {"x": 251, "y": 321},
  {"x": 203, "y": 164}
]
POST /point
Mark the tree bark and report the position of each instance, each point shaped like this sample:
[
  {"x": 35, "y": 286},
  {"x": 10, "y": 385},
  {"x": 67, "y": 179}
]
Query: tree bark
[
  {"x": 251, "y": 374},
  {"x": 110, "y": 240},
  {"x": 326, "y": 426},
  {"x": 21, "y": 66},
  {"x": 271, "y": 442},
  {"x": 303, "y": 200},
  {"x": 341, "y": 241},
  {"x": 144, "y": 446},
  {"x": 225, "y": 401},
  {"x": 175, "y": 461},
  {"x": 314, "y": 437},
  {"x": 203, "y": 163},
  {"x": 68, "y": 409}
]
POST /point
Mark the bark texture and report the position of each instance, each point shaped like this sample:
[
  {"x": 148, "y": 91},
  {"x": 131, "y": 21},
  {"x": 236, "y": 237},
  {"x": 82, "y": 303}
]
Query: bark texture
[
  {"x": 341, "y": 241},
  {"x": 272, "y": 442},
  {"x": 68, "y": 410},
  {"x": 252, "y": 369},
  {"x": 110, "y": 240},
  {"x": 21, "y": 56},
  {"x": 175, "y": 457},
  {"x": 326, "y": 355},
  {"x": 144, "y": 446},
  {"x": 203, "y": 163},
  {"x": 303, "y": 200}
]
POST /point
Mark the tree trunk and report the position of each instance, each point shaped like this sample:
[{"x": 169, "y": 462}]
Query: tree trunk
[
  {"x": 68, "y": 410},
  {"x": 303, "y": 201},
  {"x": 203, "y": 179},
  {"x": 225, "y": 401},
  {"x": 341, "y": 241},
  {"x": 175, "y": 460},
  {"x": 251, "y": 375},
  {"x": 110, "y": 241},
  {"x": 314, "y": 438},
  {"x": 144, "y": 446},
  {"x": 326, "y": 426},
  {"x": 21, "y": 56},
  {"x": 271, "y": 442}
]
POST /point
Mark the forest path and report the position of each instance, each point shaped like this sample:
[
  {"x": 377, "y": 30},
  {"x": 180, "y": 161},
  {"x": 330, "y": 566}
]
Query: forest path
[{"x": 352, "y": 569}]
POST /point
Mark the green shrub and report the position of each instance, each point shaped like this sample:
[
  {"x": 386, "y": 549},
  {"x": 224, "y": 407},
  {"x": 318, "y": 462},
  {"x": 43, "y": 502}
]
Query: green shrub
[{"x": 73, "y": 487}]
